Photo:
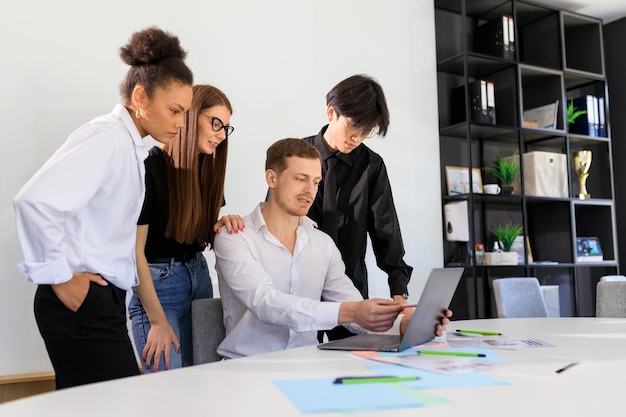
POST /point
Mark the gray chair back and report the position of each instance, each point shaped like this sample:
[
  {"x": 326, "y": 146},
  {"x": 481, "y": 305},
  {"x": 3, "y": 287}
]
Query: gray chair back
[
  {"x": 613, "y": 278},
  {"x": 519, "y": 297},
  {"x": 611, "y": 299},
  {"x": 207, "y": 329},
  {"x": 552, "y": 299}
]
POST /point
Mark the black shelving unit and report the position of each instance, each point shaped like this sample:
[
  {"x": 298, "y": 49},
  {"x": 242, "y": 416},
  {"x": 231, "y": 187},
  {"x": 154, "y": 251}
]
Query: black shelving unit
[
  {"x": 553, "y": 56},
  {"x": 614, "y": 34}
]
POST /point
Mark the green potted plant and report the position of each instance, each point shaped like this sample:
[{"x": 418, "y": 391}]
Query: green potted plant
[
  {"x": 573, "y": 112},
  {"x": 506, "y": 234},
  {"x": 505, "y": 169}
]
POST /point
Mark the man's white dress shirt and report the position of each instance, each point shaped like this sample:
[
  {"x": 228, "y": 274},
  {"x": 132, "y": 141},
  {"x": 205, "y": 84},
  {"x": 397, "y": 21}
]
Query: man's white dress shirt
[{"x": 271, "y": 298}]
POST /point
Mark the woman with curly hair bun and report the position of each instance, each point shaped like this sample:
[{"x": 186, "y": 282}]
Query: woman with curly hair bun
[
  {"x": 184, "y": 194},
  {"x": 77, "y": 216}
]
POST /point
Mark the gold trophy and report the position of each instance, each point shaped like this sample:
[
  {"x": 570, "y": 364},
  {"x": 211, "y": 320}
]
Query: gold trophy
[{"x": 582, "y": 162}]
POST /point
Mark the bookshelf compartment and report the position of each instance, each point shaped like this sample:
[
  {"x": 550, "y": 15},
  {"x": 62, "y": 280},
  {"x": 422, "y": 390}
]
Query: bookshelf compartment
[
  {"x": 596, "y": 220},
  {"x": 550, "y": 230},
  {"x": 538, "y": 33},
  {"x": 582, "y": 43},
  {"x": 539, "y": 88}
]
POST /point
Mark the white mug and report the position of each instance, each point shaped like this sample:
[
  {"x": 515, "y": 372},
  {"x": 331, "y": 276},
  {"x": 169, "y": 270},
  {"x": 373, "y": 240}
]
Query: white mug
[{"x": 491, "y": 189}]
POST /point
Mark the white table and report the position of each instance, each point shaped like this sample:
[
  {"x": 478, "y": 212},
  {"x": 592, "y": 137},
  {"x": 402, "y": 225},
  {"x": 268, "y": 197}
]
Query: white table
[{"x": 244, "y": 387}]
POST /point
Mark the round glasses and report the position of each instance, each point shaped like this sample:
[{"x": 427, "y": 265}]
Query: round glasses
[{"x": 217, "y": 125}]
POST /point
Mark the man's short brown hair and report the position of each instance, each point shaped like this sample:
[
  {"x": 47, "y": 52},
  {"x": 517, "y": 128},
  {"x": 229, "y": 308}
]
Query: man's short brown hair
[{"x": 279, "y": 151}]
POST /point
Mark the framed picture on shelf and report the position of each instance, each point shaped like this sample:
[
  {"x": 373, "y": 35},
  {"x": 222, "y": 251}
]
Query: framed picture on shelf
[
  {"x": 518, "y": 246},
  {"x": 588, "y": 249},
  {"x": 458, "y": 180},
  {"x": 544, "y": 117}
]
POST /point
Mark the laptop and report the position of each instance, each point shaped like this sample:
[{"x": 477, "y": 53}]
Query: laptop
[{"x": 435, "y": 298}]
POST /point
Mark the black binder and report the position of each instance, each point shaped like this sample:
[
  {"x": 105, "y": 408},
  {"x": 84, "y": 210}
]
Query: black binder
[
  {"x": 496, "y": 37},
  {"x": 491, "y": 103},
  {"x": 481, "y": 101}
]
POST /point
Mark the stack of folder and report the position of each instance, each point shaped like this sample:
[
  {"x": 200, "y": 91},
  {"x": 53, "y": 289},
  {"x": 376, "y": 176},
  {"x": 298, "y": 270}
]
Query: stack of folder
[
  {"x": 496, "y": 37},
  {"x": 482, "y": 102}
]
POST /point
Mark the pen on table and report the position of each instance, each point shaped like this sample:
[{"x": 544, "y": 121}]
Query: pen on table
[
  {"x": 480, "y": 332},
  {"x": 451, "y": 353},
  {"x": 566, "y": 367},
  {"x": 373, "y": 379}
]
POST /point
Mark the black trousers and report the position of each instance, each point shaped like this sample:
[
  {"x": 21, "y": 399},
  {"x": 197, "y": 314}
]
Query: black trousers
[{"x": 89, "y": 345}]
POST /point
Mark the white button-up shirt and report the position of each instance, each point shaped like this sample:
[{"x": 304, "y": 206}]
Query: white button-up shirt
[
  {"x": 271, "y": 298},
  {"x": 79, "y": 212}
]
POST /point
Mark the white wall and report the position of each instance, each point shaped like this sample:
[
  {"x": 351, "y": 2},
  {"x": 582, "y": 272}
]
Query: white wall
[{"x": 275, "y": 59}]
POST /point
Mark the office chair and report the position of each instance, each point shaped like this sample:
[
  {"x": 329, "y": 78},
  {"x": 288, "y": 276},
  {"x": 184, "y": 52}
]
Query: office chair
[
  {"x": 552, "y": 299},
  {"x": 207, "y": 329},
  {"x": 611, "y": 299},
  {"x": 519, "y": 297}
]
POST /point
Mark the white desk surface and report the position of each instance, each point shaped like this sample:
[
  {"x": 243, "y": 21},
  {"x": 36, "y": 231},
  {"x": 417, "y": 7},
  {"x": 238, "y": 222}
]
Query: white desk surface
[{"x": 244, "y": 387}]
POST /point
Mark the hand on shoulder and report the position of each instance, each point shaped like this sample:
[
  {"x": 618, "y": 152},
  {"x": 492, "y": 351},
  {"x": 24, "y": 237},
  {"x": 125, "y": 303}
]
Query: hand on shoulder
[{"x": 233, "y": 223}]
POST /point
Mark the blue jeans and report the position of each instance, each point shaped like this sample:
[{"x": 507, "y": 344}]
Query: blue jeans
[{"x": 176, "y": 284}]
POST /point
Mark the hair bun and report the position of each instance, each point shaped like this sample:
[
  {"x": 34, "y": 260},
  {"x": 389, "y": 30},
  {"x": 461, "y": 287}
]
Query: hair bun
[{"x": 151, "y": 45}]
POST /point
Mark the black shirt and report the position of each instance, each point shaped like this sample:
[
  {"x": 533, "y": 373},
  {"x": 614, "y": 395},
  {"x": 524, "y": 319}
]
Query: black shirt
[
  {"x": 155, "y": 212},
  {"x": 364, "y": 205}
]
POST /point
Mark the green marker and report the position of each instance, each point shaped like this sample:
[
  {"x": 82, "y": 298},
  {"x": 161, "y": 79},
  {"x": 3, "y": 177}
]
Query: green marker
[
  {"x": 451, "y": 353},
  {"x": 373, "y": 379},
  {"x": 480, "y": 332}
]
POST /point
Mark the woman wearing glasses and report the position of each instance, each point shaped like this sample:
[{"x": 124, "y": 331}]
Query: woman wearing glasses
[{"x": 184, "y": 194}]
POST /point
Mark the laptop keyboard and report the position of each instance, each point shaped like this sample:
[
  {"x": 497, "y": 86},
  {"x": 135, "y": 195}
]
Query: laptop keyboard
[{"x": 386, "y": 344}]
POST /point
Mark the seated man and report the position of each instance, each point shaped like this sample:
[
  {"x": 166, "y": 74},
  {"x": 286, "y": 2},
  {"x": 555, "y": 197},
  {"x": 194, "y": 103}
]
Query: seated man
[{"x": 273, "y": 275}]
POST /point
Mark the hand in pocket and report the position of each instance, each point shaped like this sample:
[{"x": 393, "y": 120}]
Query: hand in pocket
[{"x": 73, "y": 292}]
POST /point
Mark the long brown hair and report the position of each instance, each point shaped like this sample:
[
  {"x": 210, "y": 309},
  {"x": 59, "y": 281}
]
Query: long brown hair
[{"x": 195, "y": 180}]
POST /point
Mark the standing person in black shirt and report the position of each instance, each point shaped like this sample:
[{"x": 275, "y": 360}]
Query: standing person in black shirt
[{"x": 354, "y": 198}]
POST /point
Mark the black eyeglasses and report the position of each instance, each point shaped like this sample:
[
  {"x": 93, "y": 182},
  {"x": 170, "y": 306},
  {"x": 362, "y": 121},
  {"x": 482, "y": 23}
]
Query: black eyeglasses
[{"x": 217, "y": 125}]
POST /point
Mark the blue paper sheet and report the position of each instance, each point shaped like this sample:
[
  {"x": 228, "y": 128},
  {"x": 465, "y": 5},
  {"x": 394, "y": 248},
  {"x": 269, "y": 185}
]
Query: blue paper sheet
[{"x": 321, "y": 395}]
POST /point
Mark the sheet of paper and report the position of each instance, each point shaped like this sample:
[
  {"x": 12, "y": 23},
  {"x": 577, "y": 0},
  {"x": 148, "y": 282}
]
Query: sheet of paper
[
  {"x": 443, "y": 364},
  {"x": 321, "y": 395},
  {"x": 436, "y": 363},
  {"x": 548, "y": 367},
  {"x": 494, "y": 342}
]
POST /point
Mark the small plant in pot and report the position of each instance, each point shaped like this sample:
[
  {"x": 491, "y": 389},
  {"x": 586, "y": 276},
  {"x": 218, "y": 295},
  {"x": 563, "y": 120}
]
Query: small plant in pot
[
  {"x": 505, "y": 169},
  {"x": 506, "y": 234}
]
